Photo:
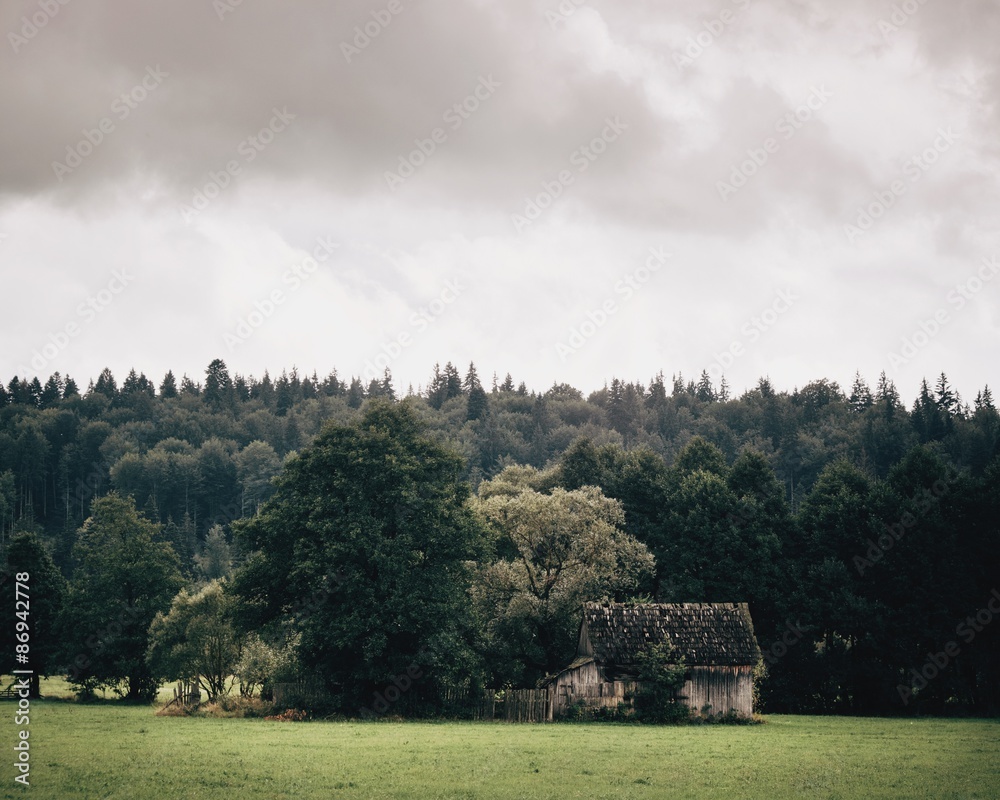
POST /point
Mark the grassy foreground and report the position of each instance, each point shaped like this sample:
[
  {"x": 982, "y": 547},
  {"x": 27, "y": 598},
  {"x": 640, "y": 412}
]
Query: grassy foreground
[{"x": 127, "y": 753}]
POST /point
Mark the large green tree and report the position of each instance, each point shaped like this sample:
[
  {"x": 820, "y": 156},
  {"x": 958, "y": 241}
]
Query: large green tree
[
  {"x": 364, "y": 545},
  {"x": 125, "y": 575},
  {"x": 35, "y": 622},
  {"x": 553, "y": 552}
]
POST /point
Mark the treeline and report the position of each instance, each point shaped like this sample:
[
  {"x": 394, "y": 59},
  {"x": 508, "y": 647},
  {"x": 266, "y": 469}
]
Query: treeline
[
  {"x": 863, "y": 533},
  {"x": 196, "y": 454}
]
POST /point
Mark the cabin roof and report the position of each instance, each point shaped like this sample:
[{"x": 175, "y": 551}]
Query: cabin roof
[{"x": 704, "y": 634}]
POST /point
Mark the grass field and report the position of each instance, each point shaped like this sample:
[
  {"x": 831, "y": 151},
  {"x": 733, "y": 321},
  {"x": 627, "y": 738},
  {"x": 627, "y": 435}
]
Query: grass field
[{"x": 127, "y": 753}]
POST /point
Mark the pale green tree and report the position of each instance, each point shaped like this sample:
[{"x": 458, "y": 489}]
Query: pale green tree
[
  {"x": 196, "y": 640},
  {"x": 553, "y": 552}
]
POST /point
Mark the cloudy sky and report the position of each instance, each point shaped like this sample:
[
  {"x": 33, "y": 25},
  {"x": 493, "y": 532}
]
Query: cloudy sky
[{"x": 566, "y": 191}]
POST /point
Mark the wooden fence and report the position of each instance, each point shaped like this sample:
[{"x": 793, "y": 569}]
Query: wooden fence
[
  {"x": 526, "y": 705},
  {"x": 302, "y": 693},
  {"x": 508, "y": 705}
]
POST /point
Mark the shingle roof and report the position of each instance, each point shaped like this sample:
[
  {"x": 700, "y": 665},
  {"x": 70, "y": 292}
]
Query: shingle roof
[{"x": 705, "y": 634}]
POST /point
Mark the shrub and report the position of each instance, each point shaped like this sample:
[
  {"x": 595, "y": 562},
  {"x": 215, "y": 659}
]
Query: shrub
[
  {"x": 706, "y": 717},
  {"x": 579, "y": 711},
  {"x": 290, "y": 715},
  {"x": 239, "y": 707},
  {"x": 661, "y": 675}
]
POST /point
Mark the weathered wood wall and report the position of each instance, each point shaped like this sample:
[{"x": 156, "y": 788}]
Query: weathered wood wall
[
  {"x": 720, "y": 689},
  {"x": 584, "y": 684}
]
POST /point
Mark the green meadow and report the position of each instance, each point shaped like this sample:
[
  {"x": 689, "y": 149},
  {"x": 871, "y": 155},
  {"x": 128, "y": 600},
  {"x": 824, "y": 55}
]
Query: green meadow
[{"x": 109, "y": 750}]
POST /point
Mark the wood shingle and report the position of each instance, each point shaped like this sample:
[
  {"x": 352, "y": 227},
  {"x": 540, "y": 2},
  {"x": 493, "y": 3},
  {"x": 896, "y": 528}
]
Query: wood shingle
[{"x": 704, "y": 634}]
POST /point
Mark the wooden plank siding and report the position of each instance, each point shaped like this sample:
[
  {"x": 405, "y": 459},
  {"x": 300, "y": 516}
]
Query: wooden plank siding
[
  {"x": 583, "y": 684},
  {"x": 723, "y": 689}
]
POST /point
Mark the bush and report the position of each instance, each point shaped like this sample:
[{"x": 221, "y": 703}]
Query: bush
[
  {"x": 579, "y": 711},
  {"x": 223, "y": 707},
  {"x": 291, "y": 715},
  {"x": 661, "y": 675},
  {"x": 239, "y": 707},
  {"x": 659, "y": 706},
  {"x": 706, "y": 717},
  {"x": 86, "y": 689}
]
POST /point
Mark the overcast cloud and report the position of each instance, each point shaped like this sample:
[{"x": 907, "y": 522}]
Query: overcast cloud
[{"x": 308, "y": 183}]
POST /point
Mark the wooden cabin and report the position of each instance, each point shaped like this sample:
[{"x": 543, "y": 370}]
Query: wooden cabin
[{"x": 716, "y": 641}]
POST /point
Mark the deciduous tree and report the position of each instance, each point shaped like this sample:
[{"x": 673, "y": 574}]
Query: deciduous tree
[
  {"x": 364, "y": 547},
  {"x": 125, "y": 576}
]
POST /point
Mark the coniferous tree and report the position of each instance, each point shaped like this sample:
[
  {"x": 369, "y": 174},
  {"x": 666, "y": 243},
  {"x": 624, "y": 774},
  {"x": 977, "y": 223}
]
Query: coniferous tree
[
  {"x": 946, "y": 399},
  {"x": 453, "y": 381},
  {"x": 887, "y": 397},
  {"x": 35, "y": 392},
  {"x": 861, "y": 397},
  {"x": 218, "y": 392},
  {"x": 189, "y": 388},
  {"x": 927, "y": 417},
  {"x": 704, "y": 390},
  {"x": 107, "y": 385},
  {"x": 14, "y": 390},
  {"x": 168, "y": 388},
  {"x": 385, "y": 386},
  {"x": 52, "y": 391},
  {"x": 437, "y": 390},
  {"x": 723, "y": 390},
  {"x": 657, "y": 397},
  {"x": 617, "y": 413},
  {"x": 309, "y": 386},
  {"x": 355, "y": 394},
  {"x": 241, "y": 388},
  {"x": 333, "y": 386},
  {"x": 477, "y": 401},
  {"x": 215, "y": 561}
]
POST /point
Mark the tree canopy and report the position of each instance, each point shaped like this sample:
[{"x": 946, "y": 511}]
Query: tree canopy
[
  {"x": 861, "y": 530},
  {"x": 125, "y": 575},
  {"x": 554, "y": 552},
  {"x": 372, "y": 518}
]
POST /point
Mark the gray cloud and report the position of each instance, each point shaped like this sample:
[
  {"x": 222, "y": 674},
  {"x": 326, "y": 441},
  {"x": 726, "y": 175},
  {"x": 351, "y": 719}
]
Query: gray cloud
[{"x": 694, "y": 91}]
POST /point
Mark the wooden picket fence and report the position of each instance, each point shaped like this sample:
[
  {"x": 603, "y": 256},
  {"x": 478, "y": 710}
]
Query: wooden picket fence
[
  {"x": 525, "y": 705},
  {"x": 507, "y": 705}
]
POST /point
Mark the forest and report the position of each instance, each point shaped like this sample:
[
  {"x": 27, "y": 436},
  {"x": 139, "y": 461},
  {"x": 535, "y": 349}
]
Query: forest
[{"x": 862, "y": 531}]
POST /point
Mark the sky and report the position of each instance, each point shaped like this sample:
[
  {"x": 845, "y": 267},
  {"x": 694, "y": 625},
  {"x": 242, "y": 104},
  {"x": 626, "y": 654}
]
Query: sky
[{"x": 566, "y": 191}]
